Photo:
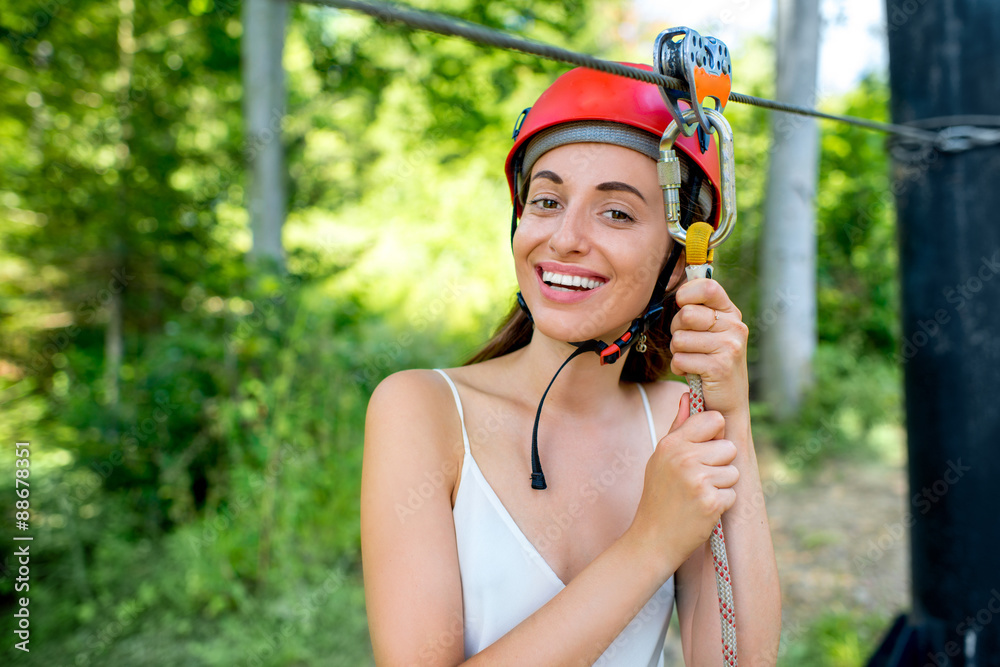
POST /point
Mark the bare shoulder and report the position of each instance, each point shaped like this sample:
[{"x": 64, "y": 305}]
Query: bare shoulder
[
  {"x": 420, "y": 397},
  {"x": 412, "y": 417},
  {"x": 410, "y": 391}
]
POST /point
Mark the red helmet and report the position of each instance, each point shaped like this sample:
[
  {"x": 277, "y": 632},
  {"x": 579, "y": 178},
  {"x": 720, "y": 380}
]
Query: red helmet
[{"x": 585, "y": 94}]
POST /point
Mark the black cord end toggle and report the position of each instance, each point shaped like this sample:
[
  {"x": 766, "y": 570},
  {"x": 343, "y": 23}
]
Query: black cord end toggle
[{"x": 538, "y": 480}]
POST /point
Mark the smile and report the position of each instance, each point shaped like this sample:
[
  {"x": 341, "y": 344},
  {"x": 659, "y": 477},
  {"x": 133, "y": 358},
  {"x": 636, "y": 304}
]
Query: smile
[{"x": 564, "y": 283}]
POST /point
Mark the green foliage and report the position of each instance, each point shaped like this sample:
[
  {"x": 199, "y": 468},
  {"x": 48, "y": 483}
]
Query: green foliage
[
  {"x": 854, "y": 410},
  {"x": 858, "y": 288},
  {"x": 835, "y": 639}
]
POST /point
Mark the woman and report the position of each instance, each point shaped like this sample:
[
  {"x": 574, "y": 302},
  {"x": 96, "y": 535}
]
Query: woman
[{"x": 464, "y": 560}]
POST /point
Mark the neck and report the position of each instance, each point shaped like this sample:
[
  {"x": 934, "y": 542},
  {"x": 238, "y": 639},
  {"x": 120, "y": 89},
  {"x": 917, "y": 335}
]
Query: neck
[{"x": 584, "y": 385}]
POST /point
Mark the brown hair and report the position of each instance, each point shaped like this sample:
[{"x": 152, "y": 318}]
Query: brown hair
[{"x": 516, "y": 329}]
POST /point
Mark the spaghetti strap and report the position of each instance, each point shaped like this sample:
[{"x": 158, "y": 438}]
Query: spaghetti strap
[
  {"x": 649, "y": 414},
  {"x": 461, "y": 414}
]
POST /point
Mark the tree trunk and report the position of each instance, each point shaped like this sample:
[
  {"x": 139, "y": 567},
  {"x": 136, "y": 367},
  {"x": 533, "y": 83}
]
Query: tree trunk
[
  {"x": 788, "y": 260},
  {"x": 114, "y": 347},
  {"x": 263, "y": 111},
  {"x": 943, "y": 68}
]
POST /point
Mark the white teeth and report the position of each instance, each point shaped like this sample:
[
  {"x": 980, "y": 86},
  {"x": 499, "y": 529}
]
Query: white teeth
[{"x": 569, "y": 281}]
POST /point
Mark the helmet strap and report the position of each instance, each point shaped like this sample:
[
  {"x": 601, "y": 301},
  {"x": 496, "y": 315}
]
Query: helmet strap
[{"x": 513, "y": 225}]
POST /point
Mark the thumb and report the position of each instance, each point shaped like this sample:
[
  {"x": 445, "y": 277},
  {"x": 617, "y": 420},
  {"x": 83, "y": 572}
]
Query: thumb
[{"x": 683, "y": 412}]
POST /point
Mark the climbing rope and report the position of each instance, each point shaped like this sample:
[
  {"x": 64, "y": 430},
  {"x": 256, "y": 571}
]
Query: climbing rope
[
  {"x": 971, "y": 137},
  {"x": 699, "y": 239},
  {"x": 699, "y": 266}
]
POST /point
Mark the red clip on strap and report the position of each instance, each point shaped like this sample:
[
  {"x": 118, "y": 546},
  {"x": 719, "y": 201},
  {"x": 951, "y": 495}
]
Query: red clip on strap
[{"x": 610, "y": 354}]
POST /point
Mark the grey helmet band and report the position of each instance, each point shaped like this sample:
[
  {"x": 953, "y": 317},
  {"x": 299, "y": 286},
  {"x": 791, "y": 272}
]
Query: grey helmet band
[{"x": 585, "y": 131}]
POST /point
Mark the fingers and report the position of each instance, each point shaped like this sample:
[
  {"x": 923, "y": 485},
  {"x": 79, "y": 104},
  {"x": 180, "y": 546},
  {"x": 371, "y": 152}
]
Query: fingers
[
  {"x": 683, "y": 412},
  {"x": 714, "y": 477},
  {"x": 700, "y": 428},
  {"x": 698, "y": 317},
  {"x": 700, "y": 342},
  {"x": 717, "y": 453},
  {"x": 708, "y": 293},
  {"x": 727, "y": 498}
]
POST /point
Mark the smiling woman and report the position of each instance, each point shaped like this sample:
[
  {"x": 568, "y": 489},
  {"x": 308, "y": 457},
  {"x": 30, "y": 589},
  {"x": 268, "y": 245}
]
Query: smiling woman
[
  {"x": 572, "y": 211},
  {"x": 586, "y": 566}
]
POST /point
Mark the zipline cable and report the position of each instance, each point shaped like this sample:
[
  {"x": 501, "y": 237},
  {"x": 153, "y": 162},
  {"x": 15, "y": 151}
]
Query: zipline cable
[{"x": 452, "y": 26}]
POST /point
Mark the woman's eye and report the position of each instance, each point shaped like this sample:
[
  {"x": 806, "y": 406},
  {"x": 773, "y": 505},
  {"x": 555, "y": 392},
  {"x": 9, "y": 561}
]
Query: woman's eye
[
  {"x": 620, "y": 216},
  {"x": 542, "y": 202}
]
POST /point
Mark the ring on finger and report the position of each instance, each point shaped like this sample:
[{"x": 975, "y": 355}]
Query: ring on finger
[{"x": 716, "y": 313}]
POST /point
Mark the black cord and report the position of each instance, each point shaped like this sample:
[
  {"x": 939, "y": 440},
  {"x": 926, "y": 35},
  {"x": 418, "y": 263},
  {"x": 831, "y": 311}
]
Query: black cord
[{"x": 537, "y": 476}]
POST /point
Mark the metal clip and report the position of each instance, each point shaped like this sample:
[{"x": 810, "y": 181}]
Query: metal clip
[
  {"x": 701, "y": 62},
  {"x": 668, "y": 170}
]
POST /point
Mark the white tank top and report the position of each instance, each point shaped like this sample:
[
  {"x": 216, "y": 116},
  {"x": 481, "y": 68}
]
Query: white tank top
[{"x": 505, "y": 579}]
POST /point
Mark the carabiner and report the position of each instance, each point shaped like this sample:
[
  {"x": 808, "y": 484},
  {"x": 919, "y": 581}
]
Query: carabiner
[{"x": 668, "y": 170}]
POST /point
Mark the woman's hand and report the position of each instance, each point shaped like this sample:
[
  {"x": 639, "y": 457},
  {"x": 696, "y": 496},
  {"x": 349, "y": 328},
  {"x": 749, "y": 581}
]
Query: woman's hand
[
  {"x": 709, "y": 339},
  {"x": 688, "y": 485}
]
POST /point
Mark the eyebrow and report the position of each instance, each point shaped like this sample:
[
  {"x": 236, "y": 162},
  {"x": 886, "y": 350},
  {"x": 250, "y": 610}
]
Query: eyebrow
[
  {"x": 612, "y": 186},
  {"x": 551, "y": 175}
]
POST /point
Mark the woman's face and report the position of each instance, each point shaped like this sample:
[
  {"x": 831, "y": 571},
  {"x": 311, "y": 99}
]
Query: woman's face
[{"x": 591, "y": 241}]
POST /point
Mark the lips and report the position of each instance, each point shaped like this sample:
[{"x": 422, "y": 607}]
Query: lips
[{"x": 565, "y": 283}]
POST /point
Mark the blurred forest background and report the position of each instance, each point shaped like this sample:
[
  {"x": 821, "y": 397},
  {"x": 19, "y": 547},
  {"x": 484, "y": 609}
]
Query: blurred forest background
[{"x": 195, "y": 415}]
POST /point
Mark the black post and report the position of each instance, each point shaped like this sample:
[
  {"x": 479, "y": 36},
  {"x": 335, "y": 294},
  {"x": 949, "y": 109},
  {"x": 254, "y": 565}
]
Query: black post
[{"x": 944, "y": 61}]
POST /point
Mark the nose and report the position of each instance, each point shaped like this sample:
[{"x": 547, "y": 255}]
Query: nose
[{"x": 570, "y": 237}]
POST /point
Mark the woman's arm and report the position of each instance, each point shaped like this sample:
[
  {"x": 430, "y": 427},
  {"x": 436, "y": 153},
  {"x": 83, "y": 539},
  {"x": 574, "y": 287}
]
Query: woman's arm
[
  {"x": 412, "y": 581},
  {"x": 756, "y": 591},
  {"x": 716, "y": 350},
  {"x": 413, "y": 591}
]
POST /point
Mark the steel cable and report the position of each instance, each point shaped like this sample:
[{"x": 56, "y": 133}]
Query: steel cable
[{"x": 452, "y": 26}]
